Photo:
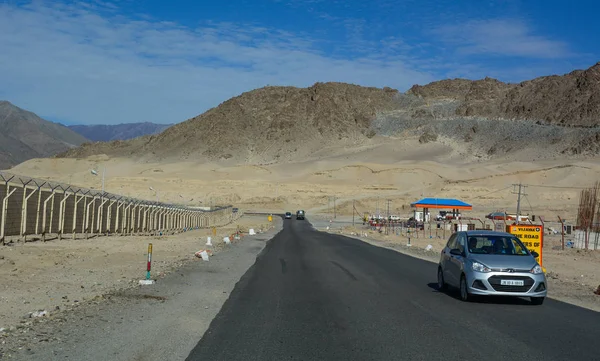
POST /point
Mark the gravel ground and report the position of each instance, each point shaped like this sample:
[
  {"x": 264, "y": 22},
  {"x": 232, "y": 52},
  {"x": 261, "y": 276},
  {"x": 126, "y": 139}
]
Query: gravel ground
[{"x": 163, "y": 321}]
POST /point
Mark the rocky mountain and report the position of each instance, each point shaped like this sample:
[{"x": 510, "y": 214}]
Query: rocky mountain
[
  {"x": 484, "y": 118},
  {"x": 106, "y": 133},
  {"x": 263, "y": 125},
  {"x": 24, "y": 135},
  {"x": 571, "y": 100}
]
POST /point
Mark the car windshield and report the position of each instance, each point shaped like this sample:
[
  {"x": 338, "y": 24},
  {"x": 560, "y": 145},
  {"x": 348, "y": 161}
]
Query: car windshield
[{"x": 496, "y": 244}]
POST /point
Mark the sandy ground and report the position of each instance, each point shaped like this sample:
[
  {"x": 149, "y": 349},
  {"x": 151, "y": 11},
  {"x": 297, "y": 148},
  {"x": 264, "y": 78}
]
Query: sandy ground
[
  {"x": 163, "y": 321},
  {"x": 573, "y": 275},
  {"x": 362, "y": 179},
  {"x": 56, "y": 275}
]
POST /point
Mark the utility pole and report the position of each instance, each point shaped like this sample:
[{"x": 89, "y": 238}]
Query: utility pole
[
  {"x": 388, "y": 208},
  {"x": 519, "y": 193},
  {"x": 388, "y": 217},
  {"x": 334, "y": 210},
  {"x": 353, "y": 208}
]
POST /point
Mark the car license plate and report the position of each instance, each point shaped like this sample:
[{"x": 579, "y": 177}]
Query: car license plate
[{"x": 512, "y": 282}]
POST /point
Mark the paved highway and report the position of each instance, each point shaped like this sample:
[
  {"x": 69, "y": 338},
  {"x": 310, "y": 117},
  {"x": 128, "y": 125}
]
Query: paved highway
[{"x": 316, "y": 296}]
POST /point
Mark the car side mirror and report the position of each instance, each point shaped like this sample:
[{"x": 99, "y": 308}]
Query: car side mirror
[
  {"x": 534, "y": 254},
  {"x": 456, "y": 252}
]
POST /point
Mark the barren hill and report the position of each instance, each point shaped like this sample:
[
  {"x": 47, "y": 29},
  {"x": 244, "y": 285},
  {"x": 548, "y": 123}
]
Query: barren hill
[
  {"x": 571, "y": 100},
  {"x": 263, "y": 125},
  {"x": 106, "y": 133},
  {"x": 24, "y": 135},
  {"x": 544, "y": 117}
]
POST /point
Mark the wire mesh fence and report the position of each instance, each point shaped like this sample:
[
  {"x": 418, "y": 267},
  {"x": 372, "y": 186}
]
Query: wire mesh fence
[{"x": 41, "y": 209}]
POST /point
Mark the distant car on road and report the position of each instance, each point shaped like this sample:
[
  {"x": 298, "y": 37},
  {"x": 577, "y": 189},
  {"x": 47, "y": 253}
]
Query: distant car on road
[
  {"x": 288, "y": 215},
  {"x": 300, "y": 214},
  {"x": 486, "y": 263}
]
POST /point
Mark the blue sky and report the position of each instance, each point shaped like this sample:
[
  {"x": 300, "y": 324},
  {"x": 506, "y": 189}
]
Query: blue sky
[{"x": 109, "y": 62}]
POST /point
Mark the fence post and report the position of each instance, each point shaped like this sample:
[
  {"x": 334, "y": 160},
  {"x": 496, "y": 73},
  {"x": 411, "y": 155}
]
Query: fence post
[
  {"x": 5, "y": 209},
  {"x": 39, "y": 208},
  {"x": 168, "y": 218},
  {"x": 140, "y": 219},
  {"x": 61, "y": 213},
  {"x": 160, "y": 219},
  {"x": 87, "y": 217},
  {"x": 109, "y": 213},
  {"x": 84, "y": 218},
  {"x": 74, "y": 228},
  {"x": 44, "y": 216},
  {"x": 124, "y": 218},
  {"x": 51, "y": 215},
  {"x": 101, "y": 215},
  {"x": 118, "y": 216},
  {"x": 24, "y": 211},
  {"x": 144, "y": 219},
  {"x": 94, "y": 215}
]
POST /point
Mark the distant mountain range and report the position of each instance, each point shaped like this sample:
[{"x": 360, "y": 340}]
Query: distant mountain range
[
  {"x": 24, "y": 135},
  {"x": 106, "y": 133}
]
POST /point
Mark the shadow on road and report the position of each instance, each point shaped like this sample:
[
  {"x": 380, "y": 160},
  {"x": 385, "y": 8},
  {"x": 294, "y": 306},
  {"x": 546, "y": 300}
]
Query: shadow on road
[{"x": 452, "y": 293}]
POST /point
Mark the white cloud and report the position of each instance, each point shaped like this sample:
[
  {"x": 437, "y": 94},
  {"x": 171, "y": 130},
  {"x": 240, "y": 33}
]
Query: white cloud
[
  {"x": 506, "y": 37},
  {"x": 90, "y": 64}
]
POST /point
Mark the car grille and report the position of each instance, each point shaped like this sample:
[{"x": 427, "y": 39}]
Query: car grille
[{"x": 495, "y": 283}]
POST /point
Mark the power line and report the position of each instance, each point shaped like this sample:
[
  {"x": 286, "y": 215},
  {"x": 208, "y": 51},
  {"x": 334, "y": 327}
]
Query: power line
[
  {"x": 530, "y": 207},
  {"x": 556, "y": 187},
  {"x": 487, "y": 194}
]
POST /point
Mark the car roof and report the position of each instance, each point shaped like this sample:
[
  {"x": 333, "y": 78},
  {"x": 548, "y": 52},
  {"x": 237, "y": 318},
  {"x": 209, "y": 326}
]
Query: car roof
[{"x": 487, "y": 233}]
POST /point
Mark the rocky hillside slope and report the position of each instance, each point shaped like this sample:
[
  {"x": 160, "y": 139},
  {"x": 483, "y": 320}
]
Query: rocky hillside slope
[
  {"x": 571, "y": 100},
  {"x": 107, "y": 133},
  {"x": 546, "y": 117},
  {"x": 24, "y": 135},
  {"x": 263, "y": 125}
]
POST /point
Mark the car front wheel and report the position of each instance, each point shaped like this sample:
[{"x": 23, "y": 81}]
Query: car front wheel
[
  {"x": 537, "y": 300},
  {"x": 464, "y": 290},
  {"x": 442, "y": 286}
]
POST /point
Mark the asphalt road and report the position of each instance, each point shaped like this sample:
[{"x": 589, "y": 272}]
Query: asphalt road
[{"x": 316, "y": 296}]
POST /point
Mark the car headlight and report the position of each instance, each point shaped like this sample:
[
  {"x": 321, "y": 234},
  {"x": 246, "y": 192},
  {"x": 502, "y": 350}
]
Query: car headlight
[
  {"x": 537, "y": 269},
  {"x": 478, "y": 267}
]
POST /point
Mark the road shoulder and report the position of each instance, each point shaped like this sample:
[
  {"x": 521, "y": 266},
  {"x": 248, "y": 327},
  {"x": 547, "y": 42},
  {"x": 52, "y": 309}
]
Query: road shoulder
[{"x": 163, "y": 321}]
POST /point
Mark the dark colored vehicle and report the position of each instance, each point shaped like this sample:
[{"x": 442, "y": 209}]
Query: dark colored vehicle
[
  {"x": 235, "y": 210},
  {"x": 288, "y": 215},
  {"x": 300, "y": 214}
]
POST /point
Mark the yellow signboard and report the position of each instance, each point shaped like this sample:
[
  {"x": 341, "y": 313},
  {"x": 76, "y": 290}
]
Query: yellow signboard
[
  {"x": 531, "y": 235},
  {"x": 270, "y": 218}
]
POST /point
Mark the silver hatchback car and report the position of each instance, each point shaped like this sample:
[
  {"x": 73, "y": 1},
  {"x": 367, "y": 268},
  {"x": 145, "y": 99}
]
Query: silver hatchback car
[{"x": 487, "y": 263}]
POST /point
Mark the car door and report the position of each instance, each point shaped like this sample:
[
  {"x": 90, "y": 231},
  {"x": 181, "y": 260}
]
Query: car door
[
  {"x": 445, "y": 258},
  {"x": 455, "y": 264}
]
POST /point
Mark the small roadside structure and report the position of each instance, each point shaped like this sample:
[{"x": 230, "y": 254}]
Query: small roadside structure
[{"x": 454, "y": 205}]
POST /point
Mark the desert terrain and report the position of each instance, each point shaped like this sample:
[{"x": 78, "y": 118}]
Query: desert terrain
[
  {"x": 367, "y": 176},
  {"x": 59, "y": 275},
  {"x": 382, "y": 168},
  {"x": 337, "y": 151}
]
